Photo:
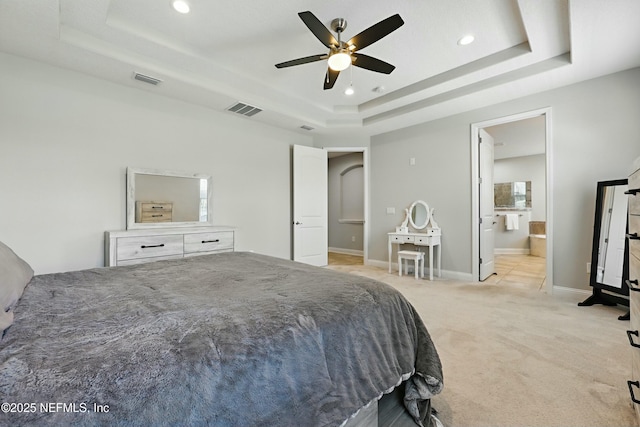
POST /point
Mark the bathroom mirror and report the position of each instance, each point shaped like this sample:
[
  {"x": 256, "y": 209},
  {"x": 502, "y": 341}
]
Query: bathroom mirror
[
  {"x": 512, "y": 195},
  {"x": 610, "y": 248},
  {"x": 419, "y": 214},
  {"x": 161, "y": 198}
]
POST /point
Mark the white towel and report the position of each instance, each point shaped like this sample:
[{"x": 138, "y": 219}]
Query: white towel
[{"x": 511, "y": 221}]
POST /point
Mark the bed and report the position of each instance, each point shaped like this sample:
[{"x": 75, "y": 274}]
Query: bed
[{"x": 231, "y": 339}]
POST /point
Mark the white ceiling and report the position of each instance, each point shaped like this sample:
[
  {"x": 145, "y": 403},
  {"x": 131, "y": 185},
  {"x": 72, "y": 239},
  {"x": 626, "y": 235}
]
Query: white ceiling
[
  {"x": 224, "y": 52},
  {"x": 520, "y": 138}
]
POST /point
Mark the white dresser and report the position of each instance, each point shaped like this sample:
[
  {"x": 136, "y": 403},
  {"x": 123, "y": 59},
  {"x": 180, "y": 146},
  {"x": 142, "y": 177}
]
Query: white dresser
[
  {"x": 633, "y": 238},
  {"x": 126, "y": 247}
]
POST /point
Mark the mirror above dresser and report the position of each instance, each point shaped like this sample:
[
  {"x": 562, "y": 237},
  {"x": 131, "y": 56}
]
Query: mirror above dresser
[{"x": 159, "y": 198}]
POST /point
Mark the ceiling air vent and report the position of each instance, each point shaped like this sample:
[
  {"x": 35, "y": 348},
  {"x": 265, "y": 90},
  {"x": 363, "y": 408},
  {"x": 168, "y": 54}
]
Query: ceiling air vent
[
  {"x": 305, "y": 127},
  {"x": 147, "y": 79},
  {"x": 244, "y": 109}
]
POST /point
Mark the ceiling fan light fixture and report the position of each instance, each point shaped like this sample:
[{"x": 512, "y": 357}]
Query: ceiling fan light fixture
[
  {"x": 349, "y": 90},
  {"x": 180, "y": 6},
  {"x": 339, "y": 61}
]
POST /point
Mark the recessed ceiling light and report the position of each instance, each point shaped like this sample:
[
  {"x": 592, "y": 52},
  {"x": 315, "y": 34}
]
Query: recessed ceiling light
[
  {"x": 181, "y": 6},
  {"x": 466, "y": 40}
]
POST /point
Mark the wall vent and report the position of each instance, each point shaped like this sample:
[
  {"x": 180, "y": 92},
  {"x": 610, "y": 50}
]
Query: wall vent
[
  {"x": 305, "y": 127},
  {"x": 147, "y": 79},
  {"x": 244, "y": 109}
]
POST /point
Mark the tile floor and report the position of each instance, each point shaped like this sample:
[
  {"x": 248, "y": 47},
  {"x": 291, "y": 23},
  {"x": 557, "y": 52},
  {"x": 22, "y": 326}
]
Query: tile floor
[{"x": 524, "y": 271}]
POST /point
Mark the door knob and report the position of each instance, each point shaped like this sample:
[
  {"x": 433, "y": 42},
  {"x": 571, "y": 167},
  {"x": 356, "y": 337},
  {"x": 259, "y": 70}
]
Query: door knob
[{"x": 297, "y": 223}]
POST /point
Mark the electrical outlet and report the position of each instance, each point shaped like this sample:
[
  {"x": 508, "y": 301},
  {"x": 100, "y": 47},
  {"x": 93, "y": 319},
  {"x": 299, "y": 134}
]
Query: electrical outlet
[
  {"x": 412, "y": 161},
  {"x": 391, "y": 211},
  {"x": 353, "y": 238},
  {"x": 588, "y": 268}
]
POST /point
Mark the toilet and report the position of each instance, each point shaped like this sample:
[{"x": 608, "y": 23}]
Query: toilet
[{"x": 538, "y": 239}]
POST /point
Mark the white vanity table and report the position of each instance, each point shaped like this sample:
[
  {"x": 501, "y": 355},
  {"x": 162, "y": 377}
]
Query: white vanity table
[{"x": 426, "y": 233}]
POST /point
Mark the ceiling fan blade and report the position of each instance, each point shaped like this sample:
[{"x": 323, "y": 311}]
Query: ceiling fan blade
[
  {"x": 376, "y": 32},
  {"x": 301, "y": 61},
  {"x": 318, "y": 29},
  {"x": 371, "y": 63},
  {"x": 330, "y": 78}
]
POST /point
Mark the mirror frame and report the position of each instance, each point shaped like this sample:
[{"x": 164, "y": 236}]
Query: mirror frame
[
  {"x": 131, "y": 199},
  {"x": 595, "y": 249},
  {"x": 428, "y": 218}
]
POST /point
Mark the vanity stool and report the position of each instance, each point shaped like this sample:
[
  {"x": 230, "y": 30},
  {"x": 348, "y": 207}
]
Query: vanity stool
[{"x": 418, "y": 262}]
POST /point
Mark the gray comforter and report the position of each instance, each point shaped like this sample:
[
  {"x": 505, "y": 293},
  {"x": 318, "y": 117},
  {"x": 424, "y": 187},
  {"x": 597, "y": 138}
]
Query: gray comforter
[{"x": 234, "y": 339}]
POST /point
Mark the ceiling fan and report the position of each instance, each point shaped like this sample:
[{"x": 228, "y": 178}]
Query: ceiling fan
[{"x": 342, "y": 54}]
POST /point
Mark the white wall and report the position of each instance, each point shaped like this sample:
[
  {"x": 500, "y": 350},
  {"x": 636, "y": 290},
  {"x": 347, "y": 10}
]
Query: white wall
[
  {"x": 595, "y": 131},
  {"x": 66, "y": 140}
]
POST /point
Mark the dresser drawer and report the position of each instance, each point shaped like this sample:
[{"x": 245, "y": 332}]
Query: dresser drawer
[
  {"x": 634, "y": 180},
  {"x": 634, "y": 261},
  {"x": 427, "y": 240},
  {"x": 148, "y": 246},
  {"x": 208, "y": 242},
  {"x": 634, "y": 204},
  {"x": 155, "y": 217},
  {"x": 401, "y": 238},
  {"x": 634, "y": 225},
  {"x": 154, "y": 211}
]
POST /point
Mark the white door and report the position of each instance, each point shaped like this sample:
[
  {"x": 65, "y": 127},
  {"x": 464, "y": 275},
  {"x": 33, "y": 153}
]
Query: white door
[
  {"x": 310, "y": 212},
  {"x": 486, "y": 218},
  {"x": 614, "y": 255}
]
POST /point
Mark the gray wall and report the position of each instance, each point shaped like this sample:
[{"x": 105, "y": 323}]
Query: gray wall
[
  {"x": 66, "y": 140},
  {"x": 344, "y": 236},
  {"x": 595, "y": 130}
]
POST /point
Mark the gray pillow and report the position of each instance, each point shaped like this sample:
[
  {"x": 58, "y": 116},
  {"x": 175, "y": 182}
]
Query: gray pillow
[{"x": 15, "y": 273}]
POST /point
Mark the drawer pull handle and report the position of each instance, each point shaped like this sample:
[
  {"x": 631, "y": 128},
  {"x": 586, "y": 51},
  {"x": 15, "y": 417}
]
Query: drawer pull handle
[
  {"x": 156, "y": 207},
  {"x": 211, "y": 241},
  {"x": 632, "y": 384},
  {"x": 632, "y": 284},
  {"x": 633, "y": 344},
  {"x": 633, "y": 236},
  {"x": 152, "y": 246},
  {"x": 157, "y": 216},
  {"x": 632, "y": 192}
]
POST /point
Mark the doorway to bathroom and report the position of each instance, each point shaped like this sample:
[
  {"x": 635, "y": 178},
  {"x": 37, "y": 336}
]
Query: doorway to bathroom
[
  {"x": 511, "y": 197},
  {"x": 347, "y": 200}
]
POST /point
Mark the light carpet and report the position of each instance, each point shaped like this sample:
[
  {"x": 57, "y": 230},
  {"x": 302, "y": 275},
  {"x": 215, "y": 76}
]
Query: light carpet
[{"x": 514, "y": 356}]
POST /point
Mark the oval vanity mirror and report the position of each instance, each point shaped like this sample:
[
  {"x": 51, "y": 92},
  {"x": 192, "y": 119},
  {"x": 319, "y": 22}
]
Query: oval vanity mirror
[{"x": 419, "y": 214}]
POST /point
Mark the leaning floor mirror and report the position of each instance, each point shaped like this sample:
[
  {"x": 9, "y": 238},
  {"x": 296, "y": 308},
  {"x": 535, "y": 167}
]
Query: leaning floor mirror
[{"x": 609, "y": 254}]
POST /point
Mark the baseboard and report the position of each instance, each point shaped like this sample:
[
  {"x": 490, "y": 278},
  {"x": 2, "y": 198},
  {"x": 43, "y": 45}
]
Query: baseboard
[
  {"x": 511, "y": 251},
  {"x": 346, "y": 251}
]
